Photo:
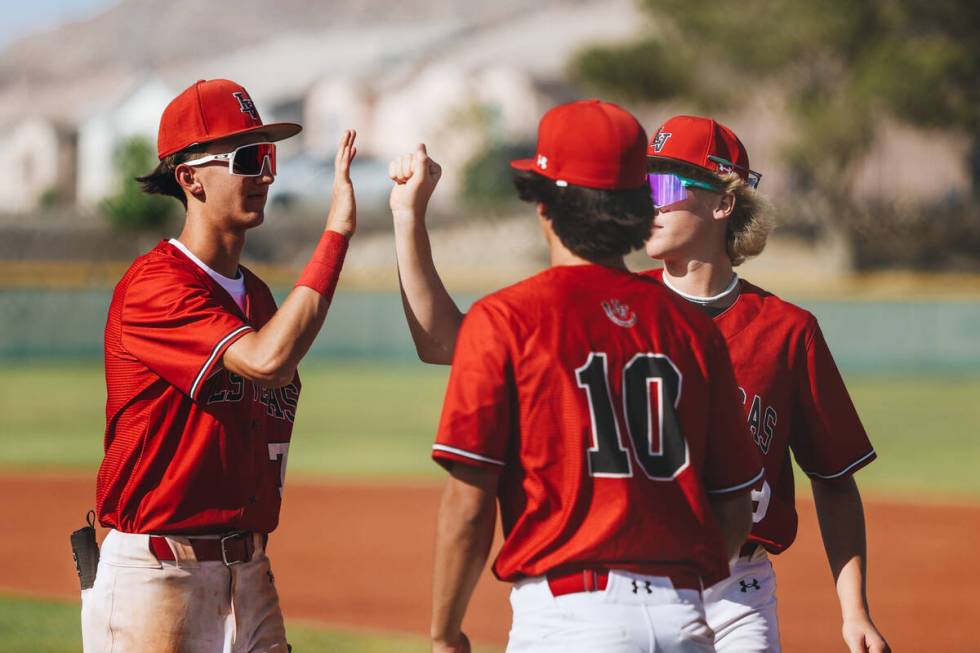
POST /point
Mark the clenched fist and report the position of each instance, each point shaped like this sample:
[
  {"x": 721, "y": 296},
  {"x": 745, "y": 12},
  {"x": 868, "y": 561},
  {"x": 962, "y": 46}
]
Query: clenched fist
[
  {"x": 415, "y": 176},
  {"x": 462, "y": 645}
]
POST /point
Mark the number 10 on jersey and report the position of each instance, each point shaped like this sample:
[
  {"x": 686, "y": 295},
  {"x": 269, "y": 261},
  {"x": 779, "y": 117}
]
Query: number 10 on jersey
[{"x": 651, "y": 388}]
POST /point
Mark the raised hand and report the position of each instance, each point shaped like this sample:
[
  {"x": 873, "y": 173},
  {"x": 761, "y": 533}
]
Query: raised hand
[
  {"x": 415, "y": 176},
  {"x": 342, "y": 217}
]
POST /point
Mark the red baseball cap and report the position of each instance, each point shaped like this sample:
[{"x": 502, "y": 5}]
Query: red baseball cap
[
  {"x": 212, "y": 109},
  {"x": 590, "y": 143},
  {"x": 704, "y": 143}
]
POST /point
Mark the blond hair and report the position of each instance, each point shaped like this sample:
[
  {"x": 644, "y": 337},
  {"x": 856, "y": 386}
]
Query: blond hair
[
  {"x": 751, "y": 219},
  {"x": 750, "y": 222}
]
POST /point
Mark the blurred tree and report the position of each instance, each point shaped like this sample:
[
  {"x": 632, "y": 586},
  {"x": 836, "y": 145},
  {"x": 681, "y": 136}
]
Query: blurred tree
[
  {"x": 49, "y": 198},
  {"x": 487, "y": 177},
  {"x": 131, "y": 208},
  {"x": 486, "y": 185},
  {"x": 840, "y": 62}
]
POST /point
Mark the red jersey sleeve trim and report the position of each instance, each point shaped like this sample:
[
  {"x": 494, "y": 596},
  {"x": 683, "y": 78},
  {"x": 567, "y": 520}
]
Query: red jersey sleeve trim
[
  {"x": 444, "y": 451},
  {"x": 850, "y": 469},
  {"x": 216, "y": 353},
  {"x": 740, "y": 486}
]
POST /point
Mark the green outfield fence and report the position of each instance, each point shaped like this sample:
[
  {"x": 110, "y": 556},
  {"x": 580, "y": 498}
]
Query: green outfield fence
[{"x": 866, "y": 336}]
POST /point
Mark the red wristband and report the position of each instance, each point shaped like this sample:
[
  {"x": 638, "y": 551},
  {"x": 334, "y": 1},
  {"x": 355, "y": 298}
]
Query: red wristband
[{"x": 323, "y": 270}]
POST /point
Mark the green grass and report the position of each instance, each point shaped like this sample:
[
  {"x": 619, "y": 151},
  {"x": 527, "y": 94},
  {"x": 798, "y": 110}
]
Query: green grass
[
  {"x": 54, "y": 627},
  {"x": 353, "y": 419},
  {"x": 52, "y": 415},
  {"x": 368, "y": 420},
  {"x": 378, "y": 420},
  {"x": 926, "y": 431}
]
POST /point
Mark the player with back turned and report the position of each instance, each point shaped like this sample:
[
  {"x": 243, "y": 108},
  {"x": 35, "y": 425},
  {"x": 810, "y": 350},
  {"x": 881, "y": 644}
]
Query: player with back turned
[
  {"x": 595, "y": 406},
  {"x": 710, "y": 218},
  {"x": 202, "y": 394}
]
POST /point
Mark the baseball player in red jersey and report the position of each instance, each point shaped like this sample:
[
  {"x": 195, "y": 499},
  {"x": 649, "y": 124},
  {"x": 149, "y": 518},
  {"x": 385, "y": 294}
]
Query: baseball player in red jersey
[
  {"x": 708, "y": 219},
  {"x": 597, "y": 408},
  {"x": 202, "y": 394}
]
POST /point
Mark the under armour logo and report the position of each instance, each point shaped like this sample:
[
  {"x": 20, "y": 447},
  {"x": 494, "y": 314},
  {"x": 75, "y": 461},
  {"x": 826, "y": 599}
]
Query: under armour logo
[
  {"x": 647, "y": 587},
  {"x": 747, "y": 586},
  {"x": 542, "y": 162},
  {"x": 660, "y": 140},
  {"x": 246, "y": 104},
  {"x": 619, "y": 313}
]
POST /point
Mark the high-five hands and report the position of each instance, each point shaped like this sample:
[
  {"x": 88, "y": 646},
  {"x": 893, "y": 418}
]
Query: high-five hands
[
  {"x": 415, "y": 176},
  {"x": 342, "y": 217}
]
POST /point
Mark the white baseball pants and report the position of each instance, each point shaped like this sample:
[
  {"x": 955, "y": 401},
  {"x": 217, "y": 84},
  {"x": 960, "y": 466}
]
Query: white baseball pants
[
  {"x": 741, "y": 609},
  {"x": 655, "y": 619},
  {"x": 141, "y": 604}
]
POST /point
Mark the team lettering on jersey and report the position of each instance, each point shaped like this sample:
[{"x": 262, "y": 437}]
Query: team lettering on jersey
[
  {"x": 279, "y": 403},
  {"x": 762, "y": 420}
]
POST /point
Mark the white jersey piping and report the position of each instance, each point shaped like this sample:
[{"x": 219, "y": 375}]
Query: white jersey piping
[
  {"x": 740, "y": 486},
  {"x": 466, "y": 454},
  {"x": 214, "y": 353},
  {"x": 846, "y": 469},
  {"x": 704, "y": 300}
]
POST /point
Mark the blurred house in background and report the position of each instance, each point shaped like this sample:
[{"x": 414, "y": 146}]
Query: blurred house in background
[
  {"x": 134, "y": 112},
  {"x": 39, "y": 159},
  {"x": 461, "y": 78},
  {"x": 457, "y": 78},
  {"x": 333, "y": 104},
  {"x": 906, "y": 164}
]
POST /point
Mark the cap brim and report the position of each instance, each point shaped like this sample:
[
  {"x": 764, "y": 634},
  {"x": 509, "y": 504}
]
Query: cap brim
[
  {"x": 279, "y": 131},
  {"x": 678, "y": 164},
  {"x": 527, "y": 165},
  {"x": 276, "y": 131}
]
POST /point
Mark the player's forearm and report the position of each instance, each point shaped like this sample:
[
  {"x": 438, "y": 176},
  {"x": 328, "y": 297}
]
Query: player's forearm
[
  {"x": 464, "y": 533},
  {"x": 271, "y": 354},
  {"x": 841, "y": 517},
  {"x": 432, "y": 315},
  {"x": 733, "y": 513}
]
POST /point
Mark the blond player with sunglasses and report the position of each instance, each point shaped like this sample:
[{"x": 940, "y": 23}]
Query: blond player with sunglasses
[
  {"x": 202, "y": 393},
  {"x": 709, "y": 218}
]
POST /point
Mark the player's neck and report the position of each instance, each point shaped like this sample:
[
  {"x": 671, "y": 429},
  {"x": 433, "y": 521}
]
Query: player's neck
[
  {"x": 699, "y": 278},
  {"x": 560, "y": 255},
  {"x": 219, "y": 250}
]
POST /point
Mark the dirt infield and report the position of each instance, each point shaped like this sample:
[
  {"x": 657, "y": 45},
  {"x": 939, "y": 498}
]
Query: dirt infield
[{"x": 360, "y": 555}]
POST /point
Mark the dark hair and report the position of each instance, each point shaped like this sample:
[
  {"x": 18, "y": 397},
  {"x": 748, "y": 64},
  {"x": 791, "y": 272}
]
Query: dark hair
[
  {"x": 163, "y": 181},
  {"x": 593, "y": 223}
]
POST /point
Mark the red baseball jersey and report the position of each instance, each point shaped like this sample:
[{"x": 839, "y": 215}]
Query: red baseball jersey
[
  {"x": 609, "y": 407},
  {"x": 189, "y": 447},
  {"x": 795, "y": 400}
]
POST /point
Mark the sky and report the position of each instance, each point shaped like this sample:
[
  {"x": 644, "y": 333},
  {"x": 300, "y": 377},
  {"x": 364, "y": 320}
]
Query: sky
[{"x": 19, "y": 18}]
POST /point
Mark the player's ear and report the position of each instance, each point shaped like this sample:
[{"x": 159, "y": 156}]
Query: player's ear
[
  {"x": 545, "y": 222},
  {"x": 187, "y": 178},
  {"x": 542, "y": 210},
  {"x": 725, "y": 206}
]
